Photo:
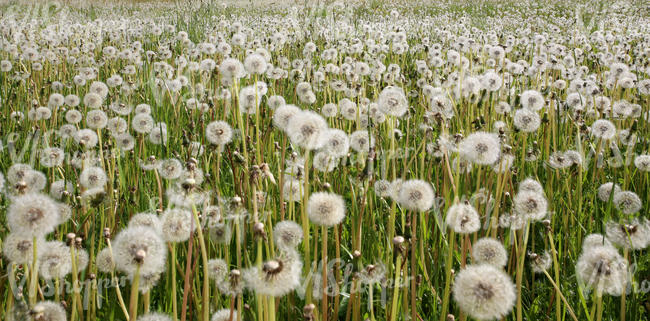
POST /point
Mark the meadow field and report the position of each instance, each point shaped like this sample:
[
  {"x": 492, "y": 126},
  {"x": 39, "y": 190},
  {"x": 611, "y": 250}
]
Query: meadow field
[{"x": 320, "y": 160}]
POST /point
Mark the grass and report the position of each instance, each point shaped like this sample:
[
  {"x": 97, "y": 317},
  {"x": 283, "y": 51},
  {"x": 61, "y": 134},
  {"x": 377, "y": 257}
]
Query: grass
[{"x": 419, "y": 268}]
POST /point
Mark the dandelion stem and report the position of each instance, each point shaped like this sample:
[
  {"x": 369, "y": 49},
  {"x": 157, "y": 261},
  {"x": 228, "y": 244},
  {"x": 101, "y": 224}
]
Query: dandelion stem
[
  {"x": 324, "y": 278},
  {"x": 133, "y": 305},
  {"x": 204, "y": 257}
]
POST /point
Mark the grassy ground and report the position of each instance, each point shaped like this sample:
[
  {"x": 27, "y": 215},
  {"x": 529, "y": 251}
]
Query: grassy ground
[{"x": 420, "y": 145}]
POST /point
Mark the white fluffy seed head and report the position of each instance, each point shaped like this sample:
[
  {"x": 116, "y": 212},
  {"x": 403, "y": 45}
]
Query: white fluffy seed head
[
  {"x": 104, "y": 261},
  {"x": 55, "y": 260},
  {"x": 325, "y": 162},
  {"x": 532, "y": 100},
  {"x": 142, "y": 123},
  {"x": 177, "y": 225},
  {"x": 382, "y": 188},
  {"x": 337, "y": 143},
  {"x": 642, "y": 163},
  {"x": 19, "y": 248},
  {"x": 48, "y": 311},
  {"x": 232, "y": 68},
  {"x": 51, "y": 157},
  {"x": 416, "y": 195},
  {"x": 531, "y": 205},
  {"x": 481, "y": 148},
  {"x": 531, "y": 185},
  {"x": 307, "y": 129},
  {"x": 361, "y": 141},
  {"x": 540, "y": 262},
  {"x": 463, "y": 218},
  {"x": 526, "y": 120},
  {"x": 96, "y": 119},
  {"x": 255, "y": 64},
  {"x": 93, "y": 177},
  {"x": 631, "y": 234},
  {"x": 627, "y": 202},
  {"x": 146, "y": 219},
  {"x": 218, "y": 133},
  {"x": 170, "y": 168},
  {"x": 484, "y": 292},
  {"x": 225, "y": 315},
  {"x": 32, "y": 214},
  {"x": 602, "y": 268},
  {"x": 217, "y": 269},
  {"x": 276, "y": 278},
  {"x": 326, "y": 209},
  {"x": 593, "y": 240},
  {"x": 606, "y": 190},
  {"x": 287, "y": 235},
  {"x": 154, "y": 316},
  {"x": 603, "y": 129},
  {"x": 283, "y": 114},
  {"x": 292, "y": 190},
  {"x": 489, "y": 251},
  {"x": 392, "y": 101},
  {"x": 220, "y": 233},
  {"x": 131, "y": 242}
]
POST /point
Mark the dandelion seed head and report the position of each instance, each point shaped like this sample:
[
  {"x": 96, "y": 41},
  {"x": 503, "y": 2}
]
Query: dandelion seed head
[
  {"x": 87, "y": 138},
  {"x": 96, "y": 119},
  {"x": 32, "y": 214},
  {"x": 605, "y": 190},
  {"x": 603, "y": 129},
  {"x": 602, "y": 268},
  {"x": 146, "y": 219},
  {"x": 218, "y": 133},
  {"x": 627, "y": 202},
  {"x": 217, "y": 269},
  {"x": 48, "y": 311},
  {"x": 382, "y": 188},
  {"x": 104, "y": 261},
  {"x": 73, "y": 116},
  {"x": 642, "y": 163},
  {"x": 225, "y": 315},
  {"x": 489, "y": 251},
  {"x": 287, "y": 235},
  {"x": 255, "y": 64},
  {"x": 532, "y": 205},
  {"x": 19, "y": 249},
  {"x": 540, "y": 262},
  {"x": 292, "y": 190},
  {"x": 220, "y": 233},
  {"x": 55, "y": 260},
  {"x": 154, "y": 316},
  {"x": 630, "y": 234},
  {"x": 93, "y": 177},
  {"x": 526, "y": 120},
  {"x": 361, "y": 141},
  {"x": 416, "y": 195},
  {"x": 329, "y": 110},
  {"x": 532, "y": 100},
  {"x": 283, "y": 114},
  {"x": 484, "y": 292},
  {"x": 481, "y": 148},
  {"x": 142, "y": 123},
  {"x": 276, "y": 278},
  {"x": 307, "y": 129},
  {"x": 132, "y": 240},
  {"x": 392, "y": 101},
  {"x": 593, "y": 240},
  {"x": 171, "y": 168},
  {"x": 463, "y": 218},
  {"x": 326, "y": 208},
  {"x": 177, "y": 225}
]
